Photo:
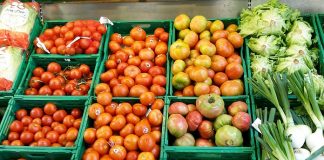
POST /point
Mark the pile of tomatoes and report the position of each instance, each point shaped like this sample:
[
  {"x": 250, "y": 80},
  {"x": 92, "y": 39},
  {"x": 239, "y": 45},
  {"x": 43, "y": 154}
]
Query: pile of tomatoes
[
  {"x": 124, "y": 130},
  {"x": 73, "y": 80},
  {"x": 137, "y": 63},
  {"x": 57, "y": 39},
  {"x": 206, "y": 61},
  {"x": 47, "y": 126}
]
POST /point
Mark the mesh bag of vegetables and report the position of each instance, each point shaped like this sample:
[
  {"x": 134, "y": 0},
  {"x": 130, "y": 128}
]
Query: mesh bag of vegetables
[
  {"x": 10, "y": 60},
  {"x": 16, "y": 22}
]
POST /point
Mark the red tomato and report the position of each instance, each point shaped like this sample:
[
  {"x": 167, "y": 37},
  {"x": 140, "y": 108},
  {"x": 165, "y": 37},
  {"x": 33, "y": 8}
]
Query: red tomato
[
  {"x": 144, "y": 79},
  {"x": 138, "y": 33},
  {"x": 164, "y": 37},
  {"x": 117, "y": 38},
  {"x": 146, "y": 65}
]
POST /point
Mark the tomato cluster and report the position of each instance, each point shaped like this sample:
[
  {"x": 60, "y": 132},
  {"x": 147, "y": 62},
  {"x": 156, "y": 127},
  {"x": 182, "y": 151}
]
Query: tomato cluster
[
  {"x": 57, "y": 39},
  {"x": 136, "y": 63},
  {"x": 124, "y": 131},
  {"x": 48, "y": 126},
  {"x": 73, "y": 80},
  {"x": 207, "y": 61}
]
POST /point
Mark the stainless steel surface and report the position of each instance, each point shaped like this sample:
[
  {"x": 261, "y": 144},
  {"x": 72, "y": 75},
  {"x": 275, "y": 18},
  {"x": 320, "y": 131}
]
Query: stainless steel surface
[
  {"x": 143, "y": 10},
  {"x": 167, "y": 9}
]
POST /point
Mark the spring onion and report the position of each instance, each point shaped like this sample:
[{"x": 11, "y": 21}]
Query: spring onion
[
  {"x": 277, "y": 93},
  {"x": 303, "y": 87}
]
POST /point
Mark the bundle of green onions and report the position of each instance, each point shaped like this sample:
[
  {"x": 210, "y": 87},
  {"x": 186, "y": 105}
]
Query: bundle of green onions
[
  {"x": 303, "y": 87},
  {"x": 276, "y": 91}
]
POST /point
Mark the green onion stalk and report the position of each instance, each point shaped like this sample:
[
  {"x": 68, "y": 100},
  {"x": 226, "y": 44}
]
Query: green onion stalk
[
  {"x": 276, "y": 91},
  {"x": 303, "y": 87}
]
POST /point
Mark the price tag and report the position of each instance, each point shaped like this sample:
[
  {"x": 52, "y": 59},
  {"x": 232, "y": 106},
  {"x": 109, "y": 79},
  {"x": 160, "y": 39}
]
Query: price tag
[
  {"x": 256, "y": 124},
  {"x": 148, "y": 112},
  {"x": 76, "y": 39},
  {"x": 41, "y": 45},
  {"x": 105, "y": 20}
]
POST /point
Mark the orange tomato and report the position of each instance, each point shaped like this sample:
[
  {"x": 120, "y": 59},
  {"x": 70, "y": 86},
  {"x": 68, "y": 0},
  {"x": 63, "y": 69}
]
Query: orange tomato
[
  {"x": 132, "y": 118},
  {"x": 91, "y": 155},
  {"x": 118, "y": 122},
  {"x": 117, "y": 152},
  {"x": 137, "y": 90},
  {"x": 146, "y": 143},
  {"x": 116, "y": 140},
  {"x": 104, "y": 132},
  {"x": 89, "y": 135},
  {"x": 189, "y": 91},
  {"x": 236, "y": 39},
  {"x": 111, "y": 108},
  {"x": 219, "y": 63},
  {"x": 104, "y": 98},
  {"x": 158, "y": 104},
  {"x": 155, "y": 117},
  {"x": 220, "y": 78},
  {"x": 124, "y": 108},
  {"x": 132, "y": 155},
  {"x": 234, "y": 70},
  {"x": 103, "y": 119},
  {"x": 147, "y": 98},
  {"x": 139, "y": 109},
  {"x": 128, "y": 129},
  {"x": 130, "y": 142},
  {"x": 224, "y": 48},
  {"x": 138, "y": 33},
  {"x": 142, "y": 127},
  {"x": 234, "y": 58},
  {"x": 101, "y": 146},
  {"x": 95, "y": 110},
  {"x": 156, "y": 135},
  {"x": 146, "y": 156}
]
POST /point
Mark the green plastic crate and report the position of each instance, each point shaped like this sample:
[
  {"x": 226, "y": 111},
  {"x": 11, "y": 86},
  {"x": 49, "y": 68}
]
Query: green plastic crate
[
  {"x": 33, "y": 63},
  {"x": 88, "y": 122},
  {"x": 320, "y": 32},
  {"x": 3, "y": 106},
  {"x": 53, "y": 23},
  {"x": 247, "y": 151},
  {"x": 39, "y": 152},
  {"x": 124, "y": 27},
  {"x": 226, "y": 21},
  {"x": 34, "y": 33},
  {"x": 31, "y": 154}
]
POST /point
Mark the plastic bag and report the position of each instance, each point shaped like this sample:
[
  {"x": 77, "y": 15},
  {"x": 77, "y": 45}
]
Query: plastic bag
[
  {"x": 16, "y": 22},
  {"x": 10, "y": 60}
]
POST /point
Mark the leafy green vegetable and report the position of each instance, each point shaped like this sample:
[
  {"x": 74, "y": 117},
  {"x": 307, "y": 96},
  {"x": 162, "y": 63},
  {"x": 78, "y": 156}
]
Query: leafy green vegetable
[
  {"x": 271, "y": 18},
  {"x": 265, "y": 45},
  {"x": 292, "y": 64},
  {"x": 300, "y": 50},
  {"x": 300, "y": 34},
  {"x": 318, "y": 83},
  {"x": 261, "y": 65}
]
